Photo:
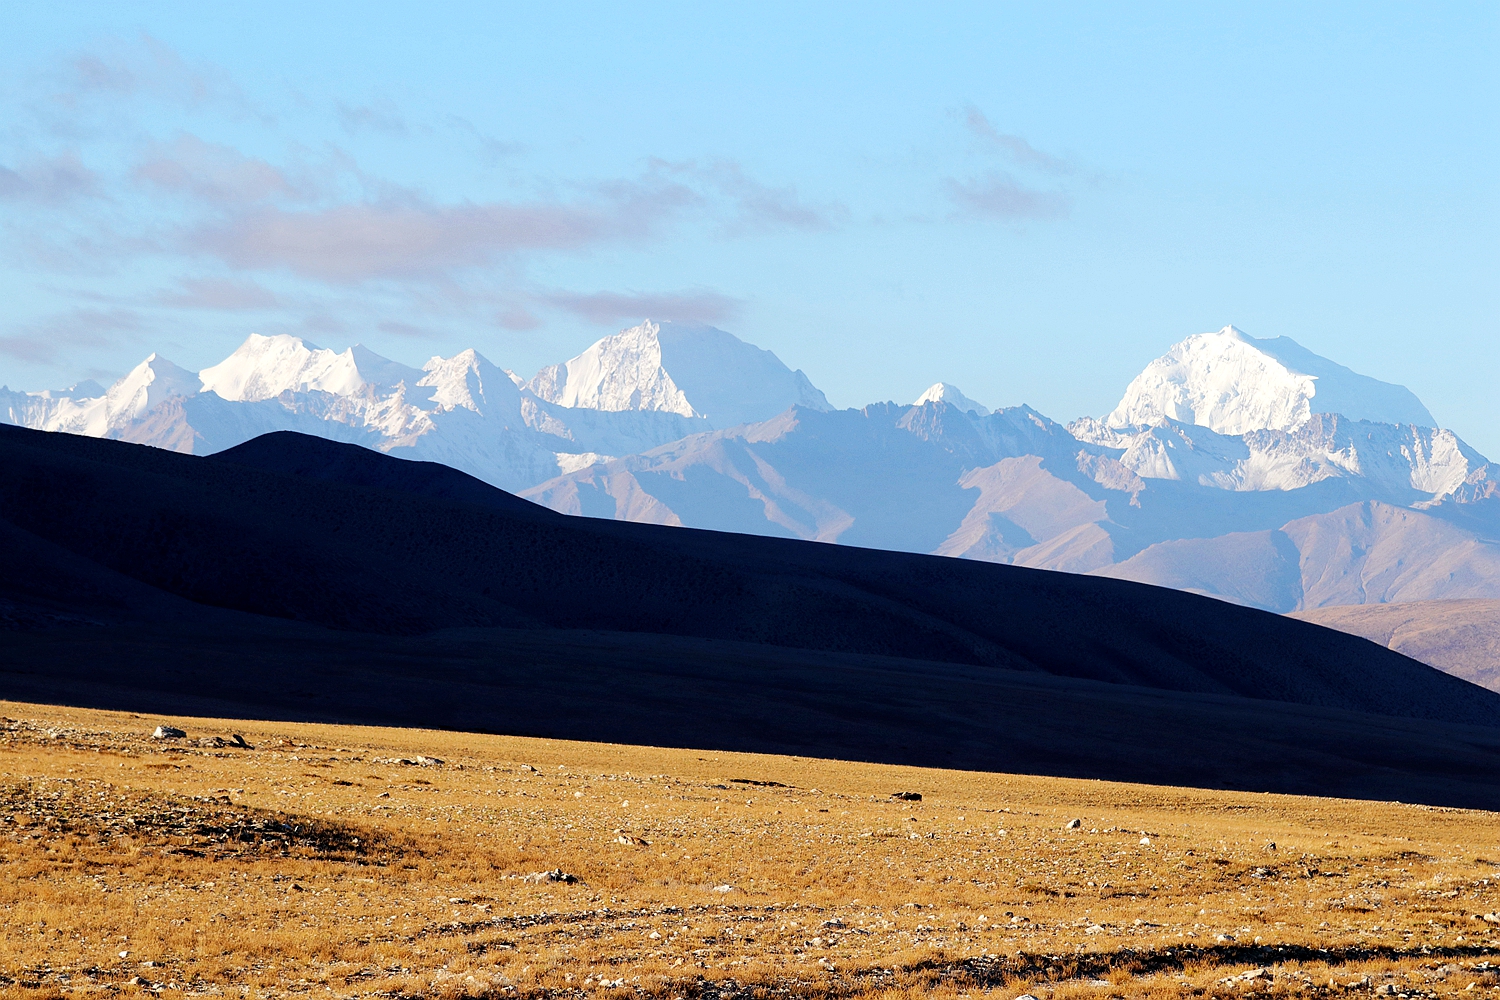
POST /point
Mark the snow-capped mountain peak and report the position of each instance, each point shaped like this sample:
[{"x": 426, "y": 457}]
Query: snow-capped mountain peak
[
  {"x": 87, "y": 409},
  {"x": 465, "y": 380},
  {"x": 623, "y": 371},
  {"x": 1232, "y": 383},
  {"x": 153, "y": 381},
  {"x": 265, "y": 367},
  {"x": 947, "y": 392},
  {"x": 693, "y": 371}
]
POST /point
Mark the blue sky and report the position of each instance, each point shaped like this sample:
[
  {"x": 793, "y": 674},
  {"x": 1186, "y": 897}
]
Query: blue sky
[{"x": 1030, "y": 201}]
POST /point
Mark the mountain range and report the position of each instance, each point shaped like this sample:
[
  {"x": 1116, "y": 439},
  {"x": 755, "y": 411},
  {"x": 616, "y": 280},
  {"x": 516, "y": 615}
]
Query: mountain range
[{"x": 1246, "y": 469}]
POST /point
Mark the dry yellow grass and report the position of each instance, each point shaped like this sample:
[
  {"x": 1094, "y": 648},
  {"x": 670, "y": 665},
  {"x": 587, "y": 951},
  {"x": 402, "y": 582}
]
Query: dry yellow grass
[{"x": 331, "y": 861}]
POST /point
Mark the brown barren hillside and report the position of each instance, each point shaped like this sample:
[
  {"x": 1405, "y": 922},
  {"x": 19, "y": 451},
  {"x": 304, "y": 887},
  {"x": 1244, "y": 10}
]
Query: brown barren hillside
[
  {"x": 344, "y": 861},
  {"x": 1461, "y": 638}
]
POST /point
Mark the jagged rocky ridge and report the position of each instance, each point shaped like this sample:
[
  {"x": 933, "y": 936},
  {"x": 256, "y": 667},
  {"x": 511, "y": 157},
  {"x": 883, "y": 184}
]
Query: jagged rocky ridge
[{"x": 1246, "y": 469}]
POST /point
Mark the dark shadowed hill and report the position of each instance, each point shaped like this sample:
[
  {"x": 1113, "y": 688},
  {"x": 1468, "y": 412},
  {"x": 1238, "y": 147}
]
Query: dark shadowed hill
[
  {"x": 375, "y": 544},
  {"x": 295, "y": 577}
]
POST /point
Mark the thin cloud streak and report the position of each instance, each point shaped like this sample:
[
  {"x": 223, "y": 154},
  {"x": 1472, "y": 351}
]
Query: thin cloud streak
[
  {"x": 218, "y": 175},
  {"x": 377, "y": 116},
  {"x": 354, "y": 243},
  {"x": 148, "y": 67},
  {"x": 225, "y": 294},
  {"x": 756, "y": 207},
  {"x": 999, "y": 196},
  {"x": 48, "y": 180},
  {"x": 609, "y": 307},
  {"x": 1016, "y": 149},
  {"x": 42, "y": 342}
]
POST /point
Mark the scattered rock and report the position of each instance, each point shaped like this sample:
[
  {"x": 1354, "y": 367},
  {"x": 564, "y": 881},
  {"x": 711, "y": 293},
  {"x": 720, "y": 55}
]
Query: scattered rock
[
  {"x": 1094, "y": 929},
  {"x": 168, "y": 733},
  {"x": 907, "y": 796},
  {"x": 528, "y": 768},
  {"x": 555, "y": 875},
  {"x": 1145, "y": 841},
  {"x": 1026, "y": 996},
  {"x": 1073, "y": 824},
  {"x": 723, "y": 888}
]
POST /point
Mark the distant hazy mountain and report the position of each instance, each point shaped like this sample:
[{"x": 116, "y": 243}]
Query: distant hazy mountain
[
  {"x": 1251, "y": 470},
  {"x": 1015, "y": 487},
  {"x": 944, "y": 392},
  {"x": 1460, "y": 637}
]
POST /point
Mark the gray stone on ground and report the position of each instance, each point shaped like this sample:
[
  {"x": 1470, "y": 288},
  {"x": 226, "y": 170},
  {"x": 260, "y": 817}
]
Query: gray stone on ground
[{"x": 168, "y": 733}]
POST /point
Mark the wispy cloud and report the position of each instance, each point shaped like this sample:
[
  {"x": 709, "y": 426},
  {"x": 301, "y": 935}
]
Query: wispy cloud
[
  {"x": 218, "y": 293},
  {"x": 48, "y": 180},
  {"x": 1016, "y": 149},
  {"x": 517, "y": 318},
  {"x": 400, "y": 329},
  {"x": 44, "y": 341},
  {"x": 753, "y": 206},
  {"x": 219, "y": 175},
  {"x": 377, "y": 116},
  {"x": 610, "y": 307},
  {"x": 353, "y": 243},
  {"x": 148, "y": 67},
  {"x": 998, "y": 196}
]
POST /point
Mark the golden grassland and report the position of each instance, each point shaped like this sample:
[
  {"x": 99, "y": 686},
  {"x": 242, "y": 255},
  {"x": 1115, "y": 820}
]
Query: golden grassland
[{"x": 345, "y": 861}]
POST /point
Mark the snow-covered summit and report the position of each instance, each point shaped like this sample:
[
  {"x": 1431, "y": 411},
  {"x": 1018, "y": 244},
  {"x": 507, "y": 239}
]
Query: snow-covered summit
[
  {"x": 694, "y": 371},
  {"x": 265, "y": 367},
  {"x": 88, "y": 409},
  {"x": 1232, "y": 383},
  {"x": 947, "y": 392}
]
